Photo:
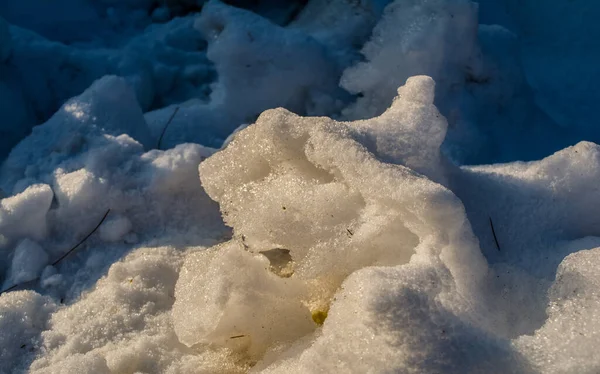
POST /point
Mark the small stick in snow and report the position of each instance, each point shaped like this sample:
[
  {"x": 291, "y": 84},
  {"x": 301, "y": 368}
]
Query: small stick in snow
[
  {"x": 82, "y": 240},
  {"x": 62, "y": 257},
  {"x": 494, "y": 233},
  {"x": 165, "y": 128},
  {"x": 9, "y": 289},
  {"x": 29, "y": 282}
]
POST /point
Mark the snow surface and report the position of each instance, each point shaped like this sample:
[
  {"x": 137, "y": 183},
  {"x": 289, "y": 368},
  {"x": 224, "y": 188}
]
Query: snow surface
[{"x": 339, "y": 186}]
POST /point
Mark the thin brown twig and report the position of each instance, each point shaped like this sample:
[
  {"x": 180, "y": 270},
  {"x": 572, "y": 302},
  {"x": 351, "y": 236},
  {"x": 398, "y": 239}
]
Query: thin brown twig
[
  {"x": 63, "y": 256},
  {"x": 494, "y": 233},
  {"x": 165, "y": 128},
  {"x": 82, "y": 240},
  {"x": 9, "y": 289}
]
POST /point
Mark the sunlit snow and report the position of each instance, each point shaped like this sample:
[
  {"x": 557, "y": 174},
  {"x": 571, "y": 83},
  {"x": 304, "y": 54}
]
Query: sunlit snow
[{"x": 318, "y": 186}]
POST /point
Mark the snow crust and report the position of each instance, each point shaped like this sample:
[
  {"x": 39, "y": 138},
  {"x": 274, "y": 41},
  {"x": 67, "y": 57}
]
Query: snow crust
[{"x": 320, "y": 201}]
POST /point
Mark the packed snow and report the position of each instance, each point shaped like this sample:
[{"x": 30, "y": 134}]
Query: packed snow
[{"x": 343, "y": 186}]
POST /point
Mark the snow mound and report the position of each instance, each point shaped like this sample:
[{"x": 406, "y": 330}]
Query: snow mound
[
  {"x": 123, "y": 324},
  {"x": 24, "y": 214},
  {"x": 321, "y": 190},
  {"x": 432, "y": 37},
  {"x": 80, "y": 121},
  {"x": 23, "y": 315},
  {"x": 356, "y": 245},
  {"x": 165, "y": 64},
  {"x": 28, "y": 261},
  {"x": 567, "y": 340},
  {"x": 260, "y": 66},
  {"x": 348, "y": 254},
  {"x": 101, "y": 330},
  {"x": 381, "y": 253},
  {"x": 394, "y": 320},
  {"x": 90, "y": 166},
  {"x": 312, "y": 187},
  {"x": 482, "y": 87},
  {"x": 115, "y": 228},
  {"x": 535, "y": 206}
]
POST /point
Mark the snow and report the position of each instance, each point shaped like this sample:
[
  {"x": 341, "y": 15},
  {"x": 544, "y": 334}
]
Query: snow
[
  {"x": 351, "y": 210},
  {"x": 260, "y": 65},
  {"x": 22, "y": 315},
  {"x": 337, "y": 186},
  {"x": 405, "y": 51},
  {"x": 564, "y": 344},
  {"x": 229, "y": 297},
  {"x": 340, "y": 24},
  {"x": 115, "y": 229},
  {"x": 67, "y": 19},
  {"x": 29, "y": 259},
  {"x": 164, "y": 65},
  {"x": 5, "y": 40},
  {"x": 566, "y": 35},
  {"x": 24, "y": 213},
  {"x": 299, "y": 167}
]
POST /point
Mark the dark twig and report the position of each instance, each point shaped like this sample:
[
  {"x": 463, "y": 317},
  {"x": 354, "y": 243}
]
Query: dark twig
[
  {"x": 9, "y": 289},
  {"x": 63, "y": 256},
  {"x": 165, "y": 128},
  {"x": 82, "y": 240},
  {"x": 494, "y": 233},
  {"x": 29, "y": 282}
]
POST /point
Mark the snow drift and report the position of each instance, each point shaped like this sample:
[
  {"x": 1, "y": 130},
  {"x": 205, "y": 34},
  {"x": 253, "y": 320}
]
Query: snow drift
[{"x": 340, "y": 234}]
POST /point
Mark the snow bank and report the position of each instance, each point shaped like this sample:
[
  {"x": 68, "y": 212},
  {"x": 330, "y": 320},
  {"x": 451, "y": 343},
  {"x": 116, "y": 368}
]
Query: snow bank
[
  {"x": 165, "y": 64},
  {"x": 123, "y": 324},
  {"x": 394, "y": 320},
  {"x": 356, "y": 246},
  {"x": 433, "y": 37},
  {"x": 260, "y": 66},
  {"x": 80, "y": 164},
  {"x": 340, "y": 199},
  {"x": 348, "y": 254},
  {"x": 71, "y": 170},
  {"x": 80, "y": 121},
  {"x": 535, "y": 205},
  {"x": 482, "y": 83}
]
